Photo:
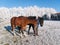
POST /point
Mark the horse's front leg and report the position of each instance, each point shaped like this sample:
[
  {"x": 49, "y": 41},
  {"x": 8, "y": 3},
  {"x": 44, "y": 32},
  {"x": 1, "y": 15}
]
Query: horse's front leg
[
  {"x": 29, "y": 29},
  {"x": 35, "y": 30}
]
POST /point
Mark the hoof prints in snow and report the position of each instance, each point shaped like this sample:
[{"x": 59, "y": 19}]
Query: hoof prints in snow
[{"x": 49, "y": 34}]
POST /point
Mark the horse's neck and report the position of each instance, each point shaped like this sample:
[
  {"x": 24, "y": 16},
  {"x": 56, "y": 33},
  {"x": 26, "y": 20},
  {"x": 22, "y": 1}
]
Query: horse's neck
[{"x": 37, "y": 20}]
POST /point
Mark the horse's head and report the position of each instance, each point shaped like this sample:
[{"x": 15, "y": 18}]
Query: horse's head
[{"x": 41, "y": 21}]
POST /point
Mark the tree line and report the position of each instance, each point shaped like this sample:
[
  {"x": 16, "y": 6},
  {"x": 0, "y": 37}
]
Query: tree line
[{"x": 53, "y": 17}]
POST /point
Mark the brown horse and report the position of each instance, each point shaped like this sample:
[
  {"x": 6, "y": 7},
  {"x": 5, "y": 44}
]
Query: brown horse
[
  {"x": 22, "y": 22},
  {"x": 40, "y": 22}
]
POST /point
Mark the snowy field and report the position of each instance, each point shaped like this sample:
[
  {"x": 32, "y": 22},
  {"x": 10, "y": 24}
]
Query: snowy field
[{"x": 49, "y": 34}]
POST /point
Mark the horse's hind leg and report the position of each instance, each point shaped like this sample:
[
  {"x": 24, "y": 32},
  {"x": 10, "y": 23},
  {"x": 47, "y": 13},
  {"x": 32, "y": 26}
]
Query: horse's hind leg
[
  {"x": 13, "y": 31},
  {"x": 14, "y": 35},
  {"x": 23, "y": 33},
  {"x": 12, "y": 27},
  {"x": 19, "y": 28}
]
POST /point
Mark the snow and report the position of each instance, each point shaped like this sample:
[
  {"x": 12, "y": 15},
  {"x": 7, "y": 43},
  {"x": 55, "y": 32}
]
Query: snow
[
  {"x": 7, "y": 13},
  {"x": 49, "y": 34}
]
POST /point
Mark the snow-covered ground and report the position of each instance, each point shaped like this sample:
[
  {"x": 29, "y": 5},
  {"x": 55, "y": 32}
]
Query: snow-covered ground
[{"x": 49, "y": 34}]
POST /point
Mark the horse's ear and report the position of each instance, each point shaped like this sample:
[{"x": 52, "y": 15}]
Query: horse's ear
[
  {"x": 38, "y": 17},
  {"x": 41, "y": 18}
]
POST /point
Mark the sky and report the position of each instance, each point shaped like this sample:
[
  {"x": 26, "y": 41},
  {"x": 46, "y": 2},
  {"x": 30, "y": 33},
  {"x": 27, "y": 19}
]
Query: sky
[{"x": 25, "y": 3}]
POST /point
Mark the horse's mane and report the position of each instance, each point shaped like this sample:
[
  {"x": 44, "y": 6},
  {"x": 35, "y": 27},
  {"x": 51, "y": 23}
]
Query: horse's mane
[
  {"x": 31, "y": 17},
  {"x": 20, "y": 16}
]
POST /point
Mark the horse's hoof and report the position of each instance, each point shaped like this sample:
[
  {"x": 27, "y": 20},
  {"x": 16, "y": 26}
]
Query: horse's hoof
[
  {"x": 34, "y": 35},
  {"x": 24, "y": 36},
  {"x": 27, "y": 40},
  {"x": 21, "y": 36}
]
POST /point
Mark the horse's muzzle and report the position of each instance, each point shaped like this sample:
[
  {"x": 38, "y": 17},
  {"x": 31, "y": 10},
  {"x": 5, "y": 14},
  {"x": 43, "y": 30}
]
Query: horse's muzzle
[{"x": 41, "y": 25}]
